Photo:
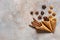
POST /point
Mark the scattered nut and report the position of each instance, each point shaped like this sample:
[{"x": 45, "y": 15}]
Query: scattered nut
[
  {"x": 39, "y": 17},
  {"x": 43, "y": 6},
  {"x": 51, "y": 7},
  {"x": 36, "y": 12},
  {"x": 46, "y": 18},
  {"x": 49, "y": 11},
  {"x": 31, "y": 12},
  {"x": 54, "y": 14},
  {"x": 42, "y": 12}
]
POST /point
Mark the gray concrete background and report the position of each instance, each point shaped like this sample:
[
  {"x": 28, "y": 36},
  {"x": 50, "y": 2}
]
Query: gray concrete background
[{"x": 15, "y": 18}]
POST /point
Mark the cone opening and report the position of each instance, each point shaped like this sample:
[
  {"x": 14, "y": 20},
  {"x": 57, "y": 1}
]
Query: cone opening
[{"x": 54, "y": 19}]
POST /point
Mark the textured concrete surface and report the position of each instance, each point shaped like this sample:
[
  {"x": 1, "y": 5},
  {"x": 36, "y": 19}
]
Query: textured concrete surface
[{"x": 15, "y": 18}]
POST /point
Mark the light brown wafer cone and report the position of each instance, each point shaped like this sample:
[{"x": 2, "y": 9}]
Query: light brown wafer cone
[
  {"x": 35, "y": 23},
  {"x": 47, "y": 24},
  {"x": 53, "y": 23},
  {"x": 43, "y": 28}
]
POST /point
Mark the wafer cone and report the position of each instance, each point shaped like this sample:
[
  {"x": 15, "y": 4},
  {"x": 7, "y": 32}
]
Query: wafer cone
[
  {"x": 53, "y": 23},
  {"x": 35, "y": 23},
  {"x": 43, "y": 28},
  {"x": 47, "y": 24}
]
